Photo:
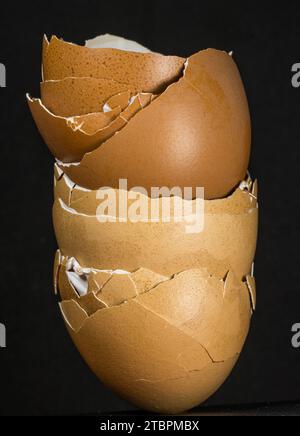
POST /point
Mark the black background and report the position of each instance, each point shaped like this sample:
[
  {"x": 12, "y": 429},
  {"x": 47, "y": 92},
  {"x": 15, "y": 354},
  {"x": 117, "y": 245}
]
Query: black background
[{"x": 41, "y": 372}]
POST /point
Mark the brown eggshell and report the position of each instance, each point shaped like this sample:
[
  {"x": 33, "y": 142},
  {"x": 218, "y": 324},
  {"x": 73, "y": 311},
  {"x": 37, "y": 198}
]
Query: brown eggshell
[
  {"x": 118, "y": 100},
  {"x": 66, "y": 141},
  {"x": 57, "y": 263},
  {"x": 252, "y": 290},
  {"x": 77, "y": 316},
  {"x": 58, "y": 174},
  {"x": 64, "y": 187},
  {"x": 70, "y": 138},
  {"x": 150, "y": 352},
  {"x": 255, "y": 189},
  {"x": 117, "y": 290},
  {"x": 105, "y": 289},
  {"x": 228, "y": 240},
  {"x": 196, "y": 134},
  {"x": 80, "y": 95},
  {"x": 204, "y": 310},
  {"x": 96, "y": 280},
  {"x": 145, "y": 280},
  {"x": 148, "y": 72},
  {"x": 138, "y": 102},
  {"x": 91, "y": 303},
  {"x": 65, "y": 287}
]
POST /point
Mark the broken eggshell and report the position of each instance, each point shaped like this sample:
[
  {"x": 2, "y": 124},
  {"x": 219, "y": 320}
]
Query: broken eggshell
[
  {"x": 163, "y": 335},
  {"x": 148, "y": 72},
  {"x": 195, "y": 134},
  {"x": 80, "y": 95},
  {"x": 69, "y": 138},
  {"x": 111, "y": 288},
  {"x": 170, "y": 348},
  {"x": 228, "y": 240}
]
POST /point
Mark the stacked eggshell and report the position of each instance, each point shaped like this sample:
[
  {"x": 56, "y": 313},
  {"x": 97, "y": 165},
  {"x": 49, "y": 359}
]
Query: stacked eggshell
[{"x": 158, "y": 313}]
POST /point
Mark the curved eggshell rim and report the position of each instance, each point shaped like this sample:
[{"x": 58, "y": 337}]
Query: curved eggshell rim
[
  {"x": 68, "y": 141},
  {"x": 150, "y": 72},
  {"x": 243, "y": 198}
]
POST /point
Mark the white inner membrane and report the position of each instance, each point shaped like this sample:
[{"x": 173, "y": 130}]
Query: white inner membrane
[{"x": 112, "y": 41}]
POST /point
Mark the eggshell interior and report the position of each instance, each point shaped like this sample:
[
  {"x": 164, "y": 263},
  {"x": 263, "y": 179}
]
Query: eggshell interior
[{"x": 113, "y": 41}]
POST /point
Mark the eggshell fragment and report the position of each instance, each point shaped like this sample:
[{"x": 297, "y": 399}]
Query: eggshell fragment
[
  {"x": 255, "y": 189},
  {"x": 96, "y": 280},
  {"x": 92, "y": 123},
  {"x": 64, "y": 187},
  {"x": 195, "y": 134},
  {"x": 70, "y": 138},
  {"x": 80, "y": 95},
  {"x": 91, "y": 303},
  {"x": 58, "y": 173},
  {"x": 73, "y": 312},
  {"x": 118, "y": 290},
  {"x": 148, "y": 72},
  {"x": 228, "y": 240},
  {"x": 65, "y": 288},
  {"x": 64, "y": 137},
  {"x": 252, "y": 289},
  {"x": 149, "y": 350},
  {"x": 122, "y": 100},
  {"x": 108, "y": 288},
  {"x": 204, "y": 310},
  {"x": 57, "y": 263},
  {"x": 145, "y": 280}
]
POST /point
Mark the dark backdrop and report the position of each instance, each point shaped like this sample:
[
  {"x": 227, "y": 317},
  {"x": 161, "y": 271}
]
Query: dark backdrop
[{"x": 41, "y": 372}]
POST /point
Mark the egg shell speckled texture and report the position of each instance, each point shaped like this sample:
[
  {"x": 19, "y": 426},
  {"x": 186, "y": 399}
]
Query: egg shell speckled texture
[
  {"x": 196, "y": 133},
  {"x": 68, "y": 139},
  {"x": 149, "y": 72},
  {"x": 80, "y": 95}
]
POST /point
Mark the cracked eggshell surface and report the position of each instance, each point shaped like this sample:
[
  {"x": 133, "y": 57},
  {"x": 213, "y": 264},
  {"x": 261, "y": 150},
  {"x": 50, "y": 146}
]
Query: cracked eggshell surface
[
  {"x": 228, "y": 240},
  {"x": 149, "y": 72},
  {"x": 196, "y": 133},
  {"x": 170, "y": 348},
  {"x": 75, "y": 96},
  {"x": 159, "y": 313},
  {"x": 69, "y": 138},
  {"x": 111, "y": 288}
]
